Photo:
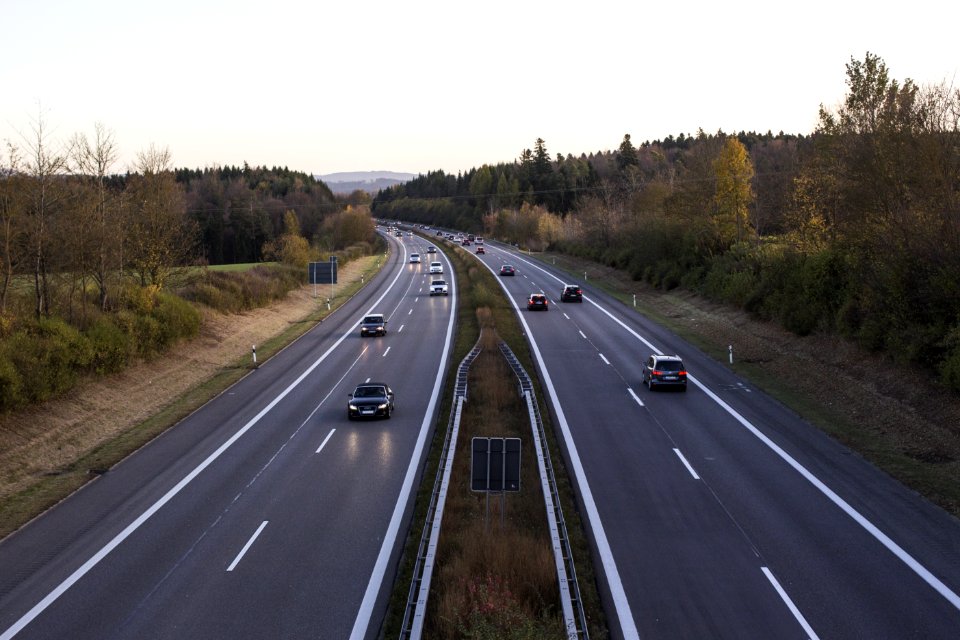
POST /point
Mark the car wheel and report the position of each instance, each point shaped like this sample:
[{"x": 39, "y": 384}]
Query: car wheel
[{"x": 349, "y": 416}]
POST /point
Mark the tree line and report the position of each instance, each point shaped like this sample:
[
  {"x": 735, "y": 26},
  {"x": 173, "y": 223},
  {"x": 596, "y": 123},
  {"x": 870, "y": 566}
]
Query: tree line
[
  {"x": 95, "y": 263},
  {"x": 853, "y": 229}
]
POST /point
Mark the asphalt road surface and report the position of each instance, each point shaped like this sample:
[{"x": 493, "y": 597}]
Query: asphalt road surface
[
  {"x": 719, "y": 513},
  {"x": 265, "y": 514}
]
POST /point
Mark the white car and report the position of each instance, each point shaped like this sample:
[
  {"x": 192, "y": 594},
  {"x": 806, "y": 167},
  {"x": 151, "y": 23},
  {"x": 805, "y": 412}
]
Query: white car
[
  {"x": 438, "y": 288},
  {"x": 436, "y": 267},
  {"x": 415, "y": 258}
]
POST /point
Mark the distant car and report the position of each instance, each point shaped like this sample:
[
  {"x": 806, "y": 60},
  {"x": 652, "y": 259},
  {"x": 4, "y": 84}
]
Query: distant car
[
  {"x": 415, "y": 258},
  {"x": 480, "y": 249},
  {"x": 507, "y": 270},
  {"x": 431, "y": 249},
  {"x": 399, "y": 234},
  {"x": 479, "y": 240},
  {"x": 436, "y": 267},
  {"x": 373, "y": 324},
  {"x": 571, "y": 293},
  {"x": 664, "y": 371},
  {"x": 439, "y": 233},
  {"x": 439, "y": 288},
  {"x": 371, "y": 400},
  {"x": 537, "y": 302},
  {"x": 465, "y": 243}
]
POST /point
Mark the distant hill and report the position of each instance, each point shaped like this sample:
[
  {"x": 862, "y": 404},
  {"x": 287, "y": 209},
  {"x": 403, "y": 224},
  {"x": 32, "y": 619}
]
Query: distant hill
[{"x": 370, "y": 181}]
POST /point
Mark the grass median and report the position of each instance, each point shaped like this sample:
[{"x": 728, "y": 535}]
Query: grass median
[{"x": 492, "y": 581}]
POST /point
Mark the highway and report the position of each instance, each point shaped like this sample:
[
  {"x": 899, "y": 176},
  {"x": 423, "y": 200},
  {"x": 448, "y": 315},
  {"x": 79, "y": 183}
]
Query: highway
[
  {"x": 265, "y": 514},
  {"x": 719, "y": 513}
]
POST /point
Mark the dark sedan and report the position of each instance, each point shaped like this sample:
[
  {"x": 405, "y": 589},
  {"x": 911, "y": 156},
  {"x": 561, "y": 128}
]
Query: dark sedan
[
  {"x": 507, "y": 270},
  {"x": 370, "y": 400}
]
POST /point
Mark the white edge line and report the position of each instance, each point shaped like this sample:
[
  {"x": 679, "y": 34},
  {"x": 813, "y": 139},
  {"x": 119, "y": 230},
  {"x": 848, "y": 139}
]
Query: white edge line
[
  {"x": 686, "y": 464},
  {"x": 247, "y": 546},
  {"x": 855, "y": 515},
  {"x": 365, "y": 612},
  {"x": 104, "y": 551},
  {"x": 793, "y": 608},
  {"x": 621, "y": 604},
  {"x": 324, "y": 443}
]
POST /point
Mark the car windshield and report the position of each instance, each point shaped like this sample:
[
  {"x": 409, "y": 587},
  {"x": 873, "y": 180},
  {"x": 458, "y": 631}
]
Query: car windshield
[
  {"x": 670, "y": 365},
  {"x": 369, "y": 392},
  {"x": 373, "y": 319}
]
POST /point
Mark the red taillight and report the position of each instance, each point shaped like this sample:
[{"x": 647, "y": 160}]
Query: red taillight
[{"x": 682, "y": 373}]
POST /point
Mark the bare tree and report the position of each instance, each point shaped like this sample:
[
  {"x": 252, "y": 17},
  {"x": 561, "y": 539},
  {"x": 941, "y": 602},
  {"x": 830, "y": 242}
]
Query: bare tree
[
  {"x": 46, "y": 167},
  {"x": 161, "y": 237},
  {"x": 12, "y": 216},
  {"x": 95, "y": 159}
]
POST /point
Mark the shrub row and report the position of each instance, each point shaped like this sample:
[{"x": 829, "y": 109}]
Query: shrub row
[
  {"x": 891, "y": 303},
  {"x": 44, "y": 358}
]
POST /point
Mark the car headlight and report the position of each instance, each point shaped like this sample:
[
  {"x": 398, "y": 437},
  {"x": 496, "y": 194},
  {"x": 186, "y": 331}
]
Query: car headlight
[
  {"x": 353, "y": 407},
  {"x": 382, "y": 406}
]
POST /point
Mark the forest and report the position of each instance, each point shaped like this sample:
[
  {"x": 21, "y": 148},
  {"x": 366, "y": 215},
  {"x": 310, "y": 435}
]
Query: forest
[
  {"x": 99, "y": 268},
  {"x": 853, "y": 229}
]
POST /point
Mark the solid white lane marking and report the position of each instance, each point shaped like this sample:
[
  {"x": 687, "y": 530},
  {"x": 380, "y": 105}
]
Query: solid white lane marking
[
  {"x": 582, "y": 335},
  {"x": 628, "y": 626},
  {"x": 686, "y": 464},
  {"x": 247, "y": 546},
  {"x": 855, "y": 515},
  {"x": 386, "y": 352},
  {"x": 325, "y": 440},
  {"x": 636, "y": 397},
  {"x": 793, "y": 608},
  {"x": 604, "y": 359},
  {"x": 365, "y": 613},
  {"x": 104, "y": 551}
]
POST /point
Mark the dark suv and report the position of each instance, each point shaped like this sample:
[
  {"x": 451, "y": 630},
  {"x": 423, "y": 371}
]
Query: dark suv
[
  {"x": 664, "y": 371},
  {"x": 571, "y": 293},
  {"x": 370, "y": 400}
]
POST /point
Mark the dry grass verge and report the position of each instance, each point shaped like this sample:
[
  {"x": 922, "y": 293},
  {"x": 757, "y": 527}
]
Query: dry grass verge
[
  {"x": 48, "y": 451},
  {"x": 897, "y": 417},
  {"x": 479, "y": 290},
  {"x": 496, "y": 576}
]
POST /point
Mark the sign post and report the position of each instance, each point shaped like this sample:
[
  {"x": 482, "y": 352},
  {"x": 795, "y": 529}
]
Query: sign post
[{"x": 495, "y": 468}]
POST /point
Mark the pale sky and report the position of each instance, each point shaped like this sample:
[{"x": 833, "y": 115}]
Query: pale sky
[{"x": 421, "y": 85}]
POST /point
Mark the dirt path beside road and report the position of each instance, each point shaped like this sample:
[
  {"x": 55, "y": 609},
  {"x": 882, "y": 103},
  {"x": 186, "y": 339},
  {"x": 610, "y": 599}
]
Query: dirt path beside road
[{"x": 44, "y": 440}]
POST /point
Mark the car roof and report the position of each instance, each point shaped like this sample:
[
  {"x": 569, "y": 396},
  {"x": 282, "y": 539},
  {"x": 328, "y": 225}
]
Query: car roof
[
  {"x": 666, "y": 357},
  {"x": 373, "y": 384}
]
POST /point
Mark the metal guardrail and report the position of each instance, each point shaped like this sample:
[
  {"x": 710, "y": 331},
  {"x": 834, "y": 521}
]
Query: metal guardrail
[
  {"x": 571, "y": 603},
  {"x": 416, "y": 608}
]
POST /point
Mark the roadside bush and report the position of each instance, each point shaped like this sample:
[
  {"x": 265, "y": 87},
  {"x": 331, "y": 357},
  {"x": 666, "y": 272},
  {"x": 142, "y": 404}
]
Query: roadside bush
[
  {"x": 49, "y": 357},
  {"x": 11, "y": 383},
  {"x": 176, "y": 318},
  {"x": 111, "y": 347}
]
